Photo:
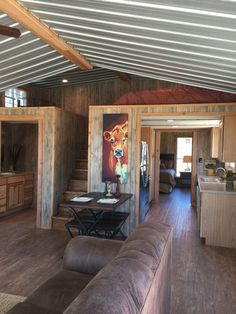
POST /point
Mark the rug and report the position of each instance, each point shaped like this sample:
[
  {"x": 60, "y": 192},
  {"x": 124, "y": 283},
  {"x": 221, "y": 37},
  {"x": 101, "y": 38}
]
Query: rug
[{"x": 7, "y": 301}]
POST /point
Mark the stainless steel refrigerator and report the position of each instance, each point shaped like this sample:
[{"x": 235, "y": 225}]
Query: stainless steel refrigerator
[{"x": 144, "y": 181}]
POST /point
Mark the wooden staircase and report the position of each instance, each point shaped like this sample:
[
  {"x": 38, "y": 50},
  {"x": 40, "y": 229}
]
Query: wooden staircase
[{"x": 77, "y": 186}]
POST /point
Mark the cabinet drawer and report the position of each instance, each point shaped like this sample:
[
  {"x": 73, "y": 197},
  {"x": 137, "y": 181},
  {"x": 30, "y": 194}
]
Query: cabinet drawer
[
  {"x": 3, "y": 191},
  {"x": 15, "y": 179}
]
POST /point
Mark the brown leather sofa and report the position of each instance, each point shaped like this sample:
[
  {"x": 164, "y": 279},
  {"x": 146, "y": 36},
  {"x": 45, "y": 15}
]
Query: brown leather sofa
[{"x": 103, "y": 276}]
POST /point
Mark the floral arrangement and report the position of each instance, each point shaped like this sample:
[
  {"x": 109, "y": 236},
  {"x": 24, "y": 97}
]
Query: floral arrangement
[{"x": 229, "y": 176}]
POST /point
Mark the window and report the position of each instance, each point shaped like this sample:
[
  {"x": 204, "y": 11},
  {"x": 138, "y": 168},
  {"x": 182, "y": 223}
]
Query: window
[
  {"x": 184, "y": 148},
  {"x": 15, "y": 97}
]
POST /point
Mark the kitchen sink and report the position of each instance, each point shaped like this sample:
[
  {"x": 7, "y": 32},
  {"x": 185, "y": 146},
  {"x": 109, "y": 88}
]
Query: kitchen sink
[{"x": 210, "y": 179}]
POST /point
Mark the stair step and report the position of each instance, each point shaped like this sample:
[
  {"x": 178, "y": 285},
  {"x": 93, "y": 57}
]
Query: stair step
[
  {"x": 78, "y": 185},
  {"x": 68, "y": 195},
  {"x": 83, "y": 154},
  {"x": 64, "y": 212},
  {"x": 81, "y": 174},
  {"x": 58, "y": 222},
  {"x": 81, "y": 164}
]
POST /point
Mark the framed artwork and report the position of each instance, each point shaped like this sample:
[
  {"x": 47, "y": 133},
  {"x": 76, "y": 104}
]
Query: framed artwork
[{"x": 115, "y": 147}]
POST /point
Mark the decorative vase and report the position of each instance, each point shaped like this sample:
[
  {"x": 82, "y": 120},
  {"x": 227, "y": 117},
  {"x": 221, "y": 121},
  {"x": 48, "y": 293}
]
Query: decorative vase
[
  {"x": 210, "y": 172},
  {"x": 229, "y": 185}
]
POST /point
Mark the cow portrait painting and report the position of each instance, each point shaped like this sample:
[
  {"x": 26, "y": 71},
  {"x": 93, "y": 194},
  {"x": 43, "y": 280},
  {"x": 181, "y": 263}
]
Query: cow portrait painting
[{"x": 115, "y": 147}]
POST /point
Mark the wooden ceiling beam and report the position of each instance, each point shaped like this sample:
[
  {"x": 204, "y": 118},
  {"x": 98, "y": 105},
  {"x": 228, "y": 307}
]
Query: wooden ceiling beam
[
  {"x": 21, "y": 15},
  {"x": 9, "y": 31}
]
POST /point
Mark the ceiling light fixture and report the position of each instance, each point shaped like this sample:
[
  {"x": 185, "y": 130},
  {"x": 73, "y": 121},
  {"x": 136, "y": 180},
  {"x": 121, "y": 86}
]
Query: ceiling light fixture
[
  {"x": 170, "y": 120},
  {"x": 64, "y": 81}
]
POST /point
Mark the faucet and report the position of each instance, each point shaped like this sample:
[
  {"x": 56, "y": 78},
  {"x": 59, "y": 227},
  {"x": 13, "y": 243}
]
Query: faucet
[{"x": 222, "y": 172}]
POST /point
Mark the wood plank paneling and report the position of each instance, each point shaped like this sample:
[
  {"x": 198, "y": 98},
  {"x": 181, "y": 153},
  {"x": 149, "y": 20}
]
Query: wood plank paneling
[
  {"x": 203, "y": 148},
  {"x": 69, "y": 137},
  {"x": 229, "y": 138},
  {"x": 95, "y": 141},
  {"x": 169, "y": 142},
  {"x": 2, "y": 99},
  {"x": 218, "y": 219},
  {"x": 21, "y": 134},
  {"x": 77, "y": 99},
  {"x": 59, "y": 135}
]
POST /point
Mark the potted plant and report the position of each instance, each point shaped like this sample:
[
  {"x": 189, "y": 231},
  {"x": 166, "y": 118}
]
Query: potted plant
[
  {"x": 210, "y": 169},
  {"x": 230, "y": 177}
]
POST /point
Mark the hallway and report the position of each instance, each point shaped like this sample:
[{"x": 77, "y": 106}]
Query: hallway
[{"x": 203, "y": 277}]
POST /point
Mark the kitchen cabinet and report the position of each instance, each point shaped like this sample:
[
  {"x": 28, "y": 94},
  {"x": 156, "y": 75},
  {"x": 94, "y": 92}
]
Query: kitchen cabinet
[
  {"x": 229, "y": 149},
  {"x": 15, "y": 192},
  {"x": 217, "y": 214},
  {"x": 216, "y": 142},
  {"x": 28, "y": 189},
  {"x": 3, "y": 195}
]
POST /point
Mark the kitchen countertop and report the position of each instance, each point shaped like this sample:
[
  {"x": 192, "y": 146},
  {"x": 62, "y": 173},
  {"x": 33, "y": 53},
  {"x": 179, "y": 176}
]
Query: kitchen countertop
[
  {"x": 7, "y": 174},
  {"x": 214, "y": 187}
]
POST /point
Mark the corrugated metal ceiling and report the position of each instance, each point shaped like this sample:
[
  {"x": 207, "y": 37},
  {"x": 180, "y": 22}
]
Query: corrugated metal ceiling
[
  {"x": 27, "y": 58},
  {"x": 189, "y": 42},
  {"x": 77, "y": 77}
]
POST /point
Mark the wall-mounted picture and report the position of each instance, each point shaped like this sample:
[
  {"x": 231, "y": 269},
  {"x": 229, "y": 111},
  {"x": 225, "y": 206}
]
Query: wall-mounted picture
[{"x": 115, "y": 147}]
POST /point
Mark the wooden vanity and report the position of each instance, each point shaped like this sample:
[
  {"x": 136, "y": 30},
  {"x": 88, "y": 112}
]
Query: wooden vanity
[
  {"x": 16, "y": 191},
  {"x": 217, "y": 213}
]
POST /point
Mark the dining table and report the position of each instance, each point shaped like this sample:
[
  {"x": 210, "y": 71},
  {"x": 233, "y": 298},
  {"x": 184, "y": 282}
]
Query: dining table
[{"x": 97, "y": 214}]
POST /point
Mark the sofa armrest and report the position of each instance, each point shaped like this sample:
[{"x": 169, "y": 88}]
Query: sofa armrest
[{"x": 88, "y": 254}]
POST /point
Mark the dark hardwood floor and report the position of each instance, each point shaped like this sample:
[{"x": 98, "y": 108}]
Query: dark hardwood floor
[
  {"x": 28, "y": 256},
  {"x": 203, "y": 277}
]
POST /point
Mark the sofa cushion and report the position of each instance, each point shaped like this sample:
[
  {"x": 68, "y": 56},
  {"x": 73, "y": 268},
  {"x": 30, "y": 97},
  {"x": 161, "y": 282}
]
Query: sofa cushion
[
  {"x": 123, "y": 285},
  {"x": 58, "y": 292},
  {"x": 55, "y": 295},
  {"x": 28, "y": 308},
  {"x": 89, "y": 254}
]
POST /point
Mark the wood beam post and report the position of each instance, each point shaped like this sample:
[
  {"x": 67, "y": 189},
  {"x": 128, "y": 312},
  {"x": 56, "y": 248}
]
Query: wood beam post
[
  {"x": 9, "y": 31},
  {"x": 21, "y": 15}
]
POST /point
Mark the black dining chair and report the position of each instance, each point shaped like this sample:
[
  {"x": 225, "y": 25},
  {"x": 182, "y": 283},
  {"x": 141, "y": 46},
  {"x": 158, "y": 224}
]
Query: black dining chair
[{"x": 83, "y": 221}]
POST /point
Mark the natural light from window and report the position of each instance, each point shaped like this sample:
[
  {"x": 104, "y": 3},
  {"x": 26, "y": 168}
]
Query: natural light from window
[
  {"x": 184, "y": 148},
  {"x": 15, "y": 97}
]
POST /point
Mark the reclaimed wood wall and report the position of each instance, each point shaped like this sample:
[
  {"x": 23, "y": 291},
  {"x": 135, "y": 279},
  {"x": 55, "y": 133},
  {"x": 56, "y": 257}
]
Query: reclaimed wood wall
[
  {"x": 59, "y": 134},
  {"x": 169, "y": 145},
  {"x": 135, "y": 113},
  {"x": 78, "y": 98},
  {"x": 2, "y": 99},
  {"x": 169, "y": 142},
  {"x": 25, "y": 134},
  {"x": 68, "y": 140},
  {"x": 203, "y": 148}
]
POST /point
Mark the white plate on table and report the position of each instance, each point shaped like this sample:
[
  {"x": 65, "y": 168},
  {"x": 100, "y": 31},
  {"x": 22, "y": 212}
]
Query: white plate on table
[
  {"x": 82, "y": 199},
  {"x": 107, "y": 201}
]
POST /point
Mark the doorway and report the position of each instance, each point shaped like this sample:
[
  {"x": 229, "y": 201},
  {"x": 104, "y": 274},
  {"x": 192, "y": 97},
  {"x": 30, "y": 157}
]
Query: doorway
[
  {"x": 24, "y": 138},
  {"x": 174, "y": 146}
]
